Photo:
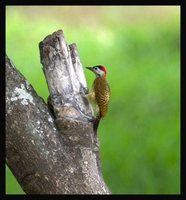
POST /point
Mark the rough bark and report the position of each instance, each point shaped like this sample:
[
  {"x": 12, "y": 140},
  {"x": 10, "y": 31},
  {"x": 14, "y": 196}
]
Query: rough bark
[{"x": 53, "y": 153}]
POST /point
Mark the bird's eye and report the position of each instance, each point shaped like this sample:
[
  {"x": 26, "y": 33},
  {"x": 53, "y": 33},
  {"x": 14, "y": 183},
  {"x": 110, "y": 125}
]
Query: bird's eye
[{"x": 96, "y": 68}]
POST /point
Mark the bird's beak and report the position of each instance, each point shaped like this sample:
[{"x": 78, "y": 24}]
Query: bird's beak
[{"x": 90, "y": 68}]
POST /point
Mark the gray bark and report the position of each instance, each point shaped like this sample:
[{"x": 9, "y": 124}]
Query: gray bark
[{"x": 53, "y": 153}]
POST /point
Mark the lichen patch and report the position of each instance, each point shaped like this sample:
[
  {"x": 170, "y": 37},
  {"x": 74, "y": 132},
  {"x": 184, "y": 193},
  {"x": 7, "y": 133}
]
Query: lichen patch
[
  {"x": 50, "y": 119},
  {"x": 23, "y": 95}
]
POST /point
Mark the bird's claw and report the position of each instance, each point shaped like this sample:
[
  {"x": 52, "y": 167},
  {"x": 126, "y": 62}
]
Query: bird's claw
[{"x": 84, "y": 91}]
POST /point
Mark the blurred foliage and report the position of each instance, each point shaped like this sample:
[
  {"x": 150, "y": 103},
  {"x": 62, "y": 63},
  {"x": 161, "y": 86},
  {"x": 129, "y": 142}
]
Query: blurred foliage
[{"x": 140, "y": 46}]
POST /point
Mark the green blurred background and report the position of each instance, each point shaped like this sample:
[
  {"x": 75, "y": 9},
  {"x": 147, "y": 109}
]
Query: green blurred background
[{"x": 140, "y": 46}]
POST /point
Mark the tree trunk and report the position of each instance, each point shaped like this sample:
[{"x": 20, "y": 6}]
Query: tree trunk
[{"x": 53, "y": 152}]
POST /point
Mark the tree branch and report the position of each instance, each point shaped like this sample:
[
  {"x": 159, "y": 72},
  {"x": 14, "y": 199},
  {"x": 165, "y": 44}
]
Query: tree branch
[{"x": 53, "y": 154}]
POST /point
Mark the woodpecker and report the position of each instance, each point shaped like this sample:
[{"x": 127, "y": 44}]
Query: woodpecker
[{"x": 100, "y": 93}]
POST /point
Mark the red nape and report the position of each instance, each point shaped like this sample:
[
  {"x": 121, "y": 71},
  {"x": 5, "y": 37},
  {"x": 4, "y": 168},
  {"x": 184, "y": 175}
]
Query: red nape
[{"x": 104, "y": 69}]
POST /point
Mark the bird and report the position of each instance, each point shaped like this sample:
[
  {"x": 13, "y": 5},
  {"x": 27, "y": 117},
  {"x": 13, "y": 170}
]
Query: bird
[{"x": 100, "y": 93}]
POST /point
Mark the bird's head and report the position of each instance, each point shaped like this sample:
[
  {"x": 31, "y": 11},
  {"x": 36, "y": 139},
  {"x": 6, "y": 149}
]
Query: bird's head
[{"x": 99, "y": 71}]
